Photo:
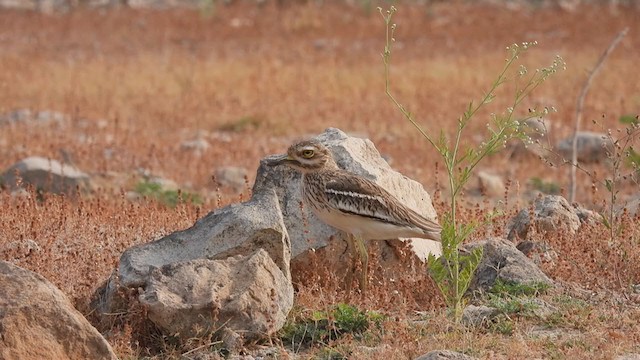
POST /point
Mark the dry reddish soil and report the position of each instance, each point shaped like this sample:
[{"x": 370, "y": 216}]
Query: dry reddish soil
[{"x": 251, "y": 79}]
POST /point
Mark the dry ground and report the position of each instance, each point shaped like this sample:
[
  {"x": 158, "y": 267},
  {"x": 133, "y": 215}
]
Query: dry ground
[{"x": 251, "y": 79}]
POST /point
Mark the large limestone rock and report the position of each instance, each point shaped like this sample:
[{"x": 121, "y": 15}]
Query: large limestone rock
[
  {"x": 46, "y": 174},
  {"x": 502, "y": 260},
  {"x": 551, "y": 213},
  {"x": 250, "y": 295},
  {"x": 355, "y": 155},
  {"x": 38, "y": 322},
  {"x": 235, "y": 229},
  {"x": 230, "y": 271}
]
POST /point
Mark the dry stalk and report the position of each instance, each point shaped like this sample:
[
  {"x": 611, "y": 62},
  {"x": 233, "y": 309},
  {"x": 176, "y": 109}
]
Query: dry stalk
[{"x": 580, "y": 106}]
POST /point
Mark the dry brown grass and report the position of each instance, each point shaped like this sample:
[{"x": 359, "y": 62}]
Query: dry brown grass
[{"x": 159, "y": 78}]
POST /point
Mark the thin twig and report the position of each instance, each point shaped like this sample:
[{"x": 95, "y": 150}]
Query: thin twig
[
  {"x": 202, "y": 347},
  {"x": 580, "y": 105}
]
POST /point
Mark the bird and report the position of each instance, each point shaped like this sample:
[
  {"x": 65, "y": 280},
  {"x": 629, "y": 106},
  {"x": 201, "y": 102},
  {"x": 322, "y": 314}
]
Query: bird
[{"x": 349, "y": 202}]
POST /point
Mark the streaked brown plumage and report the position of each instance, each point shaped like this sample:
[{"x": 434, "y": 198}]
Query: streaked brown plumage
[{"x": 352, "y": 203}]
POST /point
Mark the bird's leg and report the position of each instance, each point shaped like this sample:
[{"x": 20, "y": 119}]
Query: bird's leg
[{"x": 361, "y": 249}]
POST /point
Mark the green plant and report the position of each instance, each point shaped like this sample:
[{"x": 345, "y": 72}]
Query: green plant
[
  {"x": 320, "y": 327},
  {"x": 547, "y": 187},
  {"x": 244, "y": 123},
  {"x": 170, "y": 198},
  {"x": 633, "y": 158},
  {"x": 502, "y": 324},
  {"x": 512, "y": 305},
  {"x": 518, "y": 289},
  {"x": 331, "y": 353},
  {"x": 348, "y": 319},
  {"x": 619, "y": 153},
  {"x": 453, "y": 271}
]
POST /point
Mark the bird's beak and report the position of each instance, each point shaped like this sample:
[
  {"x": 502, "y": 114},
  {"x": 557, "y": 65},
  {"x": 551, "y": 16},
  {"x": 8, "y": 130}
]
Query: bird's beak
[{"x": 275, "y": 160}]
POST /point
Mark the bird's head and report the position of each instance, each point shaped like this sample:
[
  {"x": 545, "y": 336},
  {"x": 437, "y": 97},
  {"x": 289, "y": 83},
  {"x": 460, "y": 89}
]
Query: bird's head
[{"x": 306, "y": 156}]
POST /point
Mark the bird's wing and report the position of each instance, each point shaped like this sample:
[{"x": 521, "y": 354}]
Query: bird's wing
[{"x": 356, "y": 195}]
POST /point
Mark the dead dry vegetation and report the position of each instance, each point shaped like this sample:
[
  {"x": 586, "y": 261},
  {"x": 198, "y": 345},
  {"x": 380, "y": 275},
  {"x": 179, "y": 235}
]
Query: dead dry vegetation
[{"x": 250, "y": 79}]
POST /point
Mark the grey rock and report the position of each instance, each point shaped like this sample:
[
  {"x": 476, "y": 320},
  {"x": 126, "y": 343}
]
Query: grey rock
[
  {"x": 473, "y": 315},
  {"x": 536, "y": 128},
  {"x": 33, "y": 117},
  {"x": 232, "y": 265},
  {"x": 490, "y": 184},
  {"x": 197, "y": 146},
  {"x": 164, "y": 4},
  {"x": 542, "y": 309},
  {"x": 235, "y": 229},
  {"x": 245, "y": 294},
  {"x": 538, "y": 131},
  {"x": 46, "y": 174},
  {"x": 631, "y": 206},
  {"x": 628, "y": 357},
  {"x": 554, "y": 334},
  {"x": 355, "y": 155},
  {"x": 19, "y": 249},
  {"x": 444, "y": 355},
  {"x": 592, "y": 147},
  {"x": 231, "y": 177},
  {"x": 587, "y": 216},
  {"x": 502, "y": 260},
  {"x": 37, "y": 321},
  {"x": 551, "y": 213}
]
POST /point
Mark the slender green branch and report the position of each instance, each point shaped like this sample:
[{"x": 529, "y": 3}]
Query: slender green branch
[{"x": 453, "y": 271}]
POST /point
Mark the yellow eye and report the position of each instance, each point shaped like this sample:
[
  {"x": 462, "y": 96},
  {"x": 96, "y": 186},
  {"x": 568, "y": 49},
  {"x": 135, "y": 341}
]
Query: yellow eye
[{"x": 307, "y": 154}]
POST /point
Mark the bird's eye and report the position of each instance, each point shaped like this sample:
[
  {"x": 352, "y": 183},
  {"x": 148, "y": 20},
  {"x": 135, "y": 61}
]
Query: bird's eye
[{"x": 307, "y": 154}]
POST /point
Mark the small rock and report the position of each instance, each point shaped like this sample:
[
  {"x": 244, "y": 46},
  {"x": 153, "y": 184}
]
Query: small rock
[
  {"x": 373, "y": 351},
  {"x": 490, "y": 184},
  {"x": 46, "y": 174},
  {"x": 478, "y": 315},
  {"x": 542, "y": 309},
  {"x": 198, "y": 145},
  {"x": 526, "y": 246},
  {"x": 502, "y": 260},
  {"x": 538, "y": 130},
  {"x": 163, "y": 4},
  {"x": 554, "y": 334},
  {"x": 551, "y": 213},
  {"x": 587, "y": 216},
  {"x": 232, "y": 177},
  {"x": 20, "y": 249},
  {"x": 631, "y": 207},
  {"x": 35, "y": 117},
  {"x": 628, "y": 357},
  {"x": 444, "y": 355},
  {"x": 592, "y": 147}
]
